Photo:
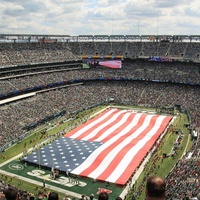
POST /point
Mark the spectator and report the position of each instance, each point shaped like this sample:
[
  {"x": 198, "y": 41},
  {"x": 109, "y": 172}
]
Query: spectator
[
  {"x": 155, "y": 188},
  {"x": 91, "y": 196},
  {"x": 11, "y": 193},
  {"x": 66, "y": 197},
  {"x": 53, "y": 196},
  {"x": 40, "y": 195},
  {"x": 83, "y": 197},
  {"x": 103, "y": 196}
]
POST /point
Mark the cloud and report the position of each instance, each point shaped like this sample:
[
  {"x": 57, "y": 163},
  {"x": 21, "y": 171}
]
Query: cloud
[
  {"x": 13, "y": 9},
  {"x": 193, "y": 10},
  {"x": 76, "y": 17}
]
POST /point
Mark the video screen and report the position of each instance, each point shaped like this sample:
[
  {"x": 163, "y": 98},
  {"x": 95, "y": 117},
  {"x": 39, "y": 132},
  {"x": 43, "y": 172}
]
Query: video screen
[{"x": 110, "y": 63}]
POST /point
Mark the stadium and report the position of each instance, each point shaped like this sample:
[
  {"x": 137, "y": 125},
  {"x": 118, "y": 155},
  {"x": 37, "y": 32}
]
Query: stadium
[{"x": 91, "y": 113}]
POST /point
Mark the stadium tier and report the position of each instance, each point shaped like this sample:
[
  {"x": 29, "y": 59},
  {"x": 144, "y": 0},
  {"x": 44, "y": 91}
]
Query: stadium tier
[{"x": 14, "y": 54}]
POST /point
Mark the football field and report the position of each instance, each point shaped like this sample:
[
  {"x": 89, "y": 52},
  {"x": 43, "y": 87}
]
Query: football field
[{"x": 100, "y": 154}]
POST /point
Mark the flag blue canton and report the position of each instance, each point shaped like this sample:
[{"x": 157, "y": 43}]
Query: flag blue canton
[{"x": 64, "y": 153}]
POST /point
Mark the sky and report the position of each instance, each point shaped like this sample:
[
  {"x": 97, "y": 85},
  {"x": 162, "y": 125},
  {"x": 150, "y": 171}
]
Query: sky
[{"x": 100, "y": 17}]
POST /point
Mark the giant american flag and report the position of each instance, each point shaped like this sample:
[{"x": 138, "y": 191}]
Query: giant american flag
[{"x": 108, "y": 147}]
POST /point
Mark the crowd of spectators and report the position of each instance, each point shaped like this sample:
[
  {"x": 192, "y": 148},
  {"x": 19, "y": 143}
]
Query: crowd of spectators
[
  {"x": 159, "y": 88},
  {"x": 11, "y": 192},
  {"x": 155, "y": 188},
  {"x": 152, "y": 71},
  {"x": 186, "y": 184},
  {"x": 192, "y": 51},
  {"x": 19, "y": 114},
  {"x": 12, "y": 54}
]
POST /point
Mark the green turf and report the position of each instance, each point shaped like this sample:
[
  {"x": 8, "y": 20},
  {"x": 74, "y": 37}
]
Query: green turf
[{"x": 92, "y": 187}]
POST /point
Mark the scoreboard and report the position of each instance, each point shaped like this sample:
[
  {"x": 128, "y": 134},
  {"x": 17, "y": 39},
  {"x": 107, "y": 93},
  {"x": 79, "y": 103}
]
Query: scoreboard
[{"x": 110, "y": 61}]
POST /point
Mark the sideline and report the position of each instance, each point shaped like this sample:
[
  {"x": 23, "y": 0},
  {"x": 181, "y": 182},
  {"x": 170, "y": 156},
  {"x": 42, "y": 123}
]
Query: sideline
[
  {"x": 47, "y": 186},
  {"x": 186, "y": 146}
]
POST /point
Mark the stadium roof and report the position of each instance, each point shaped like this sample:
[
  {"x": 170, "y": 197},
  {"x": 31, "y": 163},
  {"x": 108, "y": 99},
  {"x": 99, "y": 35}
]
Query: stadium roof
[
  {"x": 117, "y": 36},
  {"x": 85, "y": 36},
  {"x": 101, "y": 36},
  {"x": 171, "y": 38},
  {"x": 132, "y": 35},
  {"x": 194, "y": 36},
  {"x": 29, "y": 35}
]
